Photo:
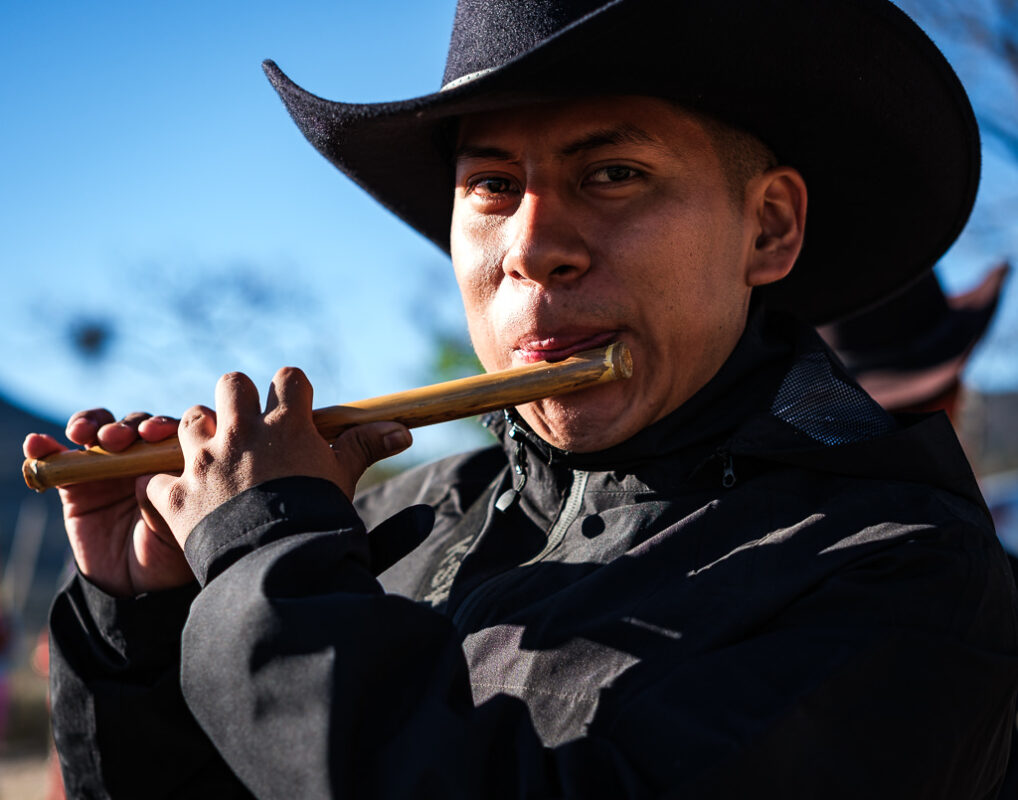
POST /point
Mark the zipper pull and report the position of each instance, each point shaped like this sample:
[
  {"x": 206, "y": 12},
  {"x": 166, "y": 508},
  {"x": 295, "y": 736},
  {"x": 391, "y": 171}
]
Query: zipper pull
[
  {"x": 508, "y": 497},
  {"x": 727, "y": 471}
]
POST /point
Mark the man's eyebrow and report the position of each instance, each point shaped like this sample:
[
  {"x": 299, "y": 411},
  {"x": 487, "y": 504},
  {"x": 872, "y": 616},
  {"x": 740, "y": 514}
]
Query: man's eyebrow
[
  {"x": 604, "y": 137},
  {"x": 466, "y": 152}
]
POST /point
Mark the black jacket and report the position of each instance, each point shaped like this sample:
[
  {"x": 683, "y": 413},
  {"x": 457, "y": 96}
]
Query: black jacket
[{"x": 776, "y": 591}]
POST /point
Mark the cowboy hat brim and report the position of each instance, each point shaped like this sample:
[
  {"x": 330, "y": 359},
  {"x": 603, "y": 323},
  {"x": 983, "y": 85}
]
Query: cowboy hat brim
[{"x": 850, "y": 92}]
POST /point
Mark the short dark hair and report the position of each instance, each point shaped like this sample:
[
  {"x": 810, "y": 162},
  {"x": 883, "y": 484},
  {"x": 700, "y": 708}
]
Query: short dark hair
[{"x": 743, "y": 155}]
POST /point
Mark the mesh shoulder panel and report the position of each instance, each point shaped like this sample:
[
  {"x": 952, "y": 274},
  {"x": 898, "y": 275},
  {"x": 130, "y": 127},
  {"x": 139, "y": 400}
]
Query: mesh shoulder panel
[{"x": 816, "y": 401}]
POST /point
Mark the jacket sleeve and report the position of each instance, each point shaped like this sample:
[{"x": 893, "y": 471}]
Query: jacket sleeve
[
  {"x": 314, "y": 683},
  {"x": 119, "y": 720}
]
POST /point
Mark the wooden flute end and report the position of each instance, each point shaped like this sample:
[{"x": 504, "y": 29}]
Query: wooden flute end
[
  {"x": 95, "y": 463},
  {"x": 30, "y": 471}
]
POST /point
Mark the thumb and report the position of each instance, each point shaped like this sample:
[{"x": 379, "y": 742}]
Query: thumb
[
  {"x": 359, "y": 447},
  {"x": 153, "y": 494}
]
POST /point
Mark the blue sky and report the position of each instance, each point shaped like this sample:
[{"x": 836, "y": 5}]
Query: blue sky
[
  {"x": 143, "y": 153},
  {"x": 143, "y": 148}
]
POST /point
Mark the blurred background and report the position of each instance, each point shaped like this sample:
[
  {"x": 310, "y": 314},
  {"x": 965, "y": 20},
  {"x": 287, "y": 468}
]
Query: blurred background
[{"x": 162, "y": 221}]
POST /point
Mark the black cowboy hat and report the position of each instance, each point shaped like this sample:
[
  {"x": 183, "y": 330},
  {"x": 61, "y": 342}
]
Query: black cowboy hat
[
  {"x": 850, "y": 92},
  {"x": 912, "y": 349}
]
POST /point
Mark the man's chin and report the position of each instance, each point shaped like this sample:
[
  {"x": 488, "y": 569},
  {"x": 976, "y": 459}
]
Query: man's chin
[{"x": 583, "y": 422}]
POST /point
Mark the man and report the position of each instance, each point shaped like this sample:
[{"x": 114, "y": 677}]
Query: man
[{"x": 732, "y": 574}]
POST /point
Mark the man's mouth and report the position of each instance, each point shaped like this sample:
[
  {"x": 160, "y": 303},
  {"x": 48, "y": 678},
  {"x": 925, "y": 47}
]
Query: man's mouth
[{"x": 559, "y": 347}]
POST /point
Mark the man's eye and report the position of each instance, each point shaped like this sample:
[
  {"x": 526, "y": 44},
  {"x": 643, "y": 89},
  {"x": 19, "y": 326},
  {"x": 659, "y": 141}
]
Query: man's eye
[
  {"x": 612, "y": 174},
  {"x": 490, "y": 186}
]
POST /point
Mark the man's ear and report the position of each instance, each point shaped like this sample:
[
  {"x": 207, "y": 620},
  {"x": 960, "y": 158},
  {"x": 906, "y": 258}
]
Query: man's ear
[{"x": 776, "y": 201}]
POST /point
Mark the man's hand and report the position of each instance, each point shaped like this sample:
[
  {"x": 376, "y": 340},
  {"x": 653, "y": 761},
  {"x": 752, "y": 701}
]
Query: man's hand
[
  {"x": 119, "y": 542},
  {"x": 239, "y": 446}
]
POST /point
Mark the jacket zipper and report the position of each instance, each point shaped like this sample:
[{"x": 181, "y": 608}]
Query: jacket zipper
[
  {"x": 556, "y": 533},
  {"x": 566, "y": 517},
  {"x": 727, "y": 470},
  {"x": 508, "y": 497}
]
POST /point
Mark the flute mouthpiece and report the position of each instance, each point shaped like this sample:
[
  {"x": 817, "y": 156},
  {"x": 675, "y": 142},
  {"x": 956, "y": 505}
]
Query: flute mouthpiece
[{"x": 620, "y": 360}]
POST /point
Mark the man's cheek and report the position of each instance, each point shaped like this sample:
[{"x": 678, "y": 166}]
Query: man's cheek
[
  {"x": 486, "y": 342},
  {"x": 479, "y": 283}
]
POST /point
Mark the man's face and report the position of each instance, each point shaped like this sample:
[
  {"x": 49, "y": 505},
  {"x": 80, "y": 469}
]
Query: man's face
[{"x": 584, "y": 222}]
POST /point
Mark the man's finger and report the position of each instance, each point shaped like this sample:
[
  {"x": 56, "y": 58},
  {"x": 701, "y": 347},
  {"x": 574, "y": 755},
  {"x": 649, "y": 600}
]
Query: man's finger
[
  {"x": 155, "y": 429},
  {"x": 83, "y": 426},
  {"x": 149, "y": 513},
  {"x": 360, "y": 447},
  {"x": 159, "y": 499},
  {"x": 197, "y": 426},
  {"x": 40, "y": 445},
  {"x": 290, "y": 391},
  {"x": 115, "y": 436},
  {"x": 236, "y": 398}
]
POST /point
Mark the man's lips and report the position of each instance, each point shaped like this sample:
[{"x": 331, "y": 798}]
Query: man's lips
[{"x": 560, "y": 346}]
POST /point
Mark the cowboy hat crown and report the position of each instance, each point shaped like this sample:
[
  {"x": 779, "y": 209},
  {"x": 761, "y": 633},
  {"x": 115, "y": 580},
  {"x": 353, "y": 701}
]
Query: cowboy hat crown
[{"x": 488, "y": 35}]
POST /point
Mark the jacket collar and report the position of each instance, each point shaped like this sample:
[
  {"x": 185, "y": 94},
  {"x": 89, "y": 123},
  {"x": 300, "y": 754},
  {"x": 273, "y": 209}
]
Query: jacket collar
[
  {"x": 781, "y": 398},
  {"x": 741, "y": 388}
]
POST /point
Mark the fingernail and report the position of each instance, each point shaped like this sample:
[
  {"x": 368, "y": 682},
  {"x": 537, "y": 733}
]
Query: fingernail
[{"x": 396, "y": 441}]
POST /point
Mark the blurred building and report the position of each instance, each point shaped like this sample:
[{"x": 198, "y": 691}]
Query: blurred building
[
  {"x": 988, "y": 425},
  {"x": 988, "y": 429}
]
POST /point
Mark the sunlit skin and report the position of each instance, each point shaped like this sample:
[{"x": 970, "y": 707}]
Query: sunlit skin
[
  {"x": 577, "y": 223},
  {"x": 574, "y": 224}
]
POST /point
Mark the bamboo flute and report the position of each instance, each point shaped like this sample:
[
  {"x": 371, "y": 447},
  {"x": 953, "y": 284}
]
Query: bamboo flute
[{"x": 426, "y": 405}]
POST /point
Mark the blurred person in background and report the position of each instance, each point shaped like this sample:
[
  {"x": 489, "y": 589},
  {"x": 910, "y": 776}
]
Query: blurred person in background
[{"x": 909, "y": 352}]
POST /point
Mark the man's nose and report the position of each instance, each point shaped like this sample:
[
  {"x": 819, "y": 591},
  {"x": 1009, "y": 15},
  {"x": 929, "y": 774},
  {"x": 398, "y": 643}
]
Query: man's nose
[{"x": 547, "y": 247}]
